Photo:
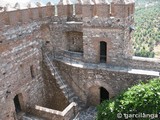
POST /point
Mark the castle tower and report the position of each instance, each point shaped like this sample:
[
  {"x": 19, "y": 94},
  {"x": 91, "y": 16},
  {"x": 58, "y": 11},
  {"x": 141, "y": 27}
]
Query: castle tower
[
  {"x": 124, "y": 9},
  {"x": 107, "y": 33}
]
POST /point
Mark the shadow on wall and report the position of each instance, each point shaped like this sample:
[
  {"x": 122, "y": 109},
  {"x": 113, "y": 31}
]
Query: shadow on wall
[{"x": 55, "y": 98}]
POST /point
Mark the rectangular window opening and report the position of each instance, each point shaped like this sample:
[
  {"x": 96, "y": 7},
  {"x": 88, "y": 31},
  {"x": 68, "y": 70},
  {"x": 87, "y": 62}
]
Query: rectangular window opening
[{"x": 32, "y": 71}]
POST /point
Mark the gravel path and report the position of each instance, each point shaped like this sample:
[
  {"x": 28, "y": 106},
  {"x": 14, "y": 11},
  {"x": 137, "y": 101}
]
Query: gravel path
[{"x": 87, "y": 114}]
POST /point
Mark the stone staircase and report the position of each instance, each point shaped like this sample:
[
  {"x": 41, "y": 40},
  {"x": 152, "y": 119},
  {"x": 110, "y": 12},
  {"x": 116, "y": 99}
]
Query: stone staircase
[{"x": 63, "y": 85}]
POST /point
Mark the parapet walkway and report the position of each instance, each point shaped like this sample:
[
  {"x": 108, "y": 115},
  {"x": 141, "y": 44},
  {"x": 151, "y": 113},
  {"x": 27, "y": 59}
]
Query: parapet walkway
[{"x": 104, "y": 66}]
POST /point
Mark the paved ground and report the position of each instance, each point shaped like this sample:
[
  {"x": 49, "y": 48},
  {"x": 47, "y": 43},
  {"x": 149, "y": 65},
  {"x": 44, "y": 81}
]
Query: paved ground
[
  {"x": 30, "y": 117},
  {"x": 87, "y": 114}
]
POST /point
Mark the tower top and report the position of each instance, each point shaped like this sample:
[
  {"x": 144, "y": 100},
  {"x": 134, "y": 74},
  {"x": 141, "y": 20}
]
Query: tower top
[
  {"x": 90, "y": 2},
  {"x": 65, "y": 2},
  {"x": 123, "y": 1},
  {"x": 101, "y": 1}
]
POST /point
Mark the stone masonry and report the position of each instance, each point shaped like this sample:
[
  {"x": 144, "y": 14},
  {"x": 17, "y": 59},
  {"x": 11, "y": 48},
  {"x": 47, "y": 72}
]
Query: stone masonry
[{"x": 72, "y": 34}]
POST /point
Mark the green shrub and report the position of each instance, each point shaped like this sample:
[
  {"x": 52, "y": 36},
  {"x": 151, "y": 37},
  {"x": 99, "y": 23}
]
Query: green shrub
[
  {"x": 139, "y": 99},
  {"x": 144, "y": 53}
]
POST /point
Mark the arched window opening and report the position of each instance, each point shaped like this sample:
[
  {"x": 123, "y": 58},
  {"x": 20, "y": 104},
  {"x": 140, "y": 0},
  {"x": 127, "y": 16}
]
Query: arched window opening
[{"x": 103, "y": 52}]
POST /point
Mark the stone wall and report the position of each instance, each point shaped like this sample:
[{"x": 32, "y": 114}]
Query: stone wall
[
  {"x": 83, "y": 80},
  {"x": 22, "y": 73},
  {"x": 115, "y": 31},
  {"x": 20, "y": 68},
  {"x": 118, "y": 46},
  {"x": 61, "y": 40},
  {"x": 114, "y": 40}
]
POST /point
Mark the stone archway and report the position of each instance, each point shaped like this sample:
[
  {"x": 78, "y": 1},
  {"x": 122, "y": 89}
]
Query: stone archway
[{"x": 94, "y": 92}]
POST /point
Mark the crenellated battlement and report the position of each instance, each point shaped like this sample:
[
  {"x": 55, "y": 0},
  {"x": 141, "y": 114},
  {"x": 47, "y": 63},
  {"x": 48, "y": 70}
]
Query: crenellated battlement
[{"x": 81, "y": 9}]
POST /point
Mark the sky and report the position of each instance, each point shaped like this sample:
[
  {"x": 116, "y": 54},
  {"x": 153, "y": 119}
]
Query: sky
[
  {"x": 3, "y": 2},
  {"x": 23, "y": 3}
]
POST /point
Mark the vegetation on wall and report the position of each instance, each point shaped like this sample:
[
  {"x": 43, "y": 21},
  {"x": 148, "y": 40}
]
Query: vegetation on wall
[
  {"x": 141, "y": 98},
  {"x": 147, "y": 32}
]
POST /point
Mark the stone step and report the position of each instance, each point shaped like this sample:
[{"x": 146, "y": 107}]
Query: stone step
[
  {"x": 81, "y": 104},
  {"x": 56, "y": 73},
  {"x": 61, "y": 83},
  {"x": 67, "y": 91},
  {"x": 73, "y": 99},
  {"x": 53, "y": 74},
  {"x": 70, "y": 94},
  {"x": 58, "y": 77},
  {"x": 80, "y": 108},
  {"x": 52, "y": 69},
  {"x": 63, "y": 86}
]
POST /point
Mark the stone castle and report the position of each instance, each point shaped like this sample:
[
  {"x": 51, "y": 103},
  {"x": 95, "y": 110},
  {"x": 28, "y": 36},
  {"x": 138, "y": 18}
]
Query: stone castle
[{"x": 57, "y": 60}]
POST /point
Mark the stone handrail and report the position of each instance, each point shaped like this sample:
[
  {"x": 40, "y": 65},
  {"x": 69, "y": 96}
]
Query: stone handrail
[
  {"x": 141, "y": 63},
  {"x": 134, "y": 62},
  {"x": 51, "y": 114},
  {"x": 145, "y": 59},
  {"x": 144, "y": 63}
]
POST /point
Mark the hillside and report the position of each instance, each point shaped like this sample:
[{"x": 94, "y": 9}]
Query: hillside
[
  {"x": 146, "y": 40},
  {"x": 144, "y": 3}
]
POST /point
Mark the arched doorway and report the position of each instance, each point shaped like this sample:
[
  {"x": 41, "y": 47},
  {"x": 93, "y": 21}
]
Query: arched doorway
[
  {"x": 104, "y": 94},
  {"x": 18, "y": 103},
  {"x": 97, "y": 95},
  {"x": 103, "y": 52},
  {"x": 97, "y": 90}
]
